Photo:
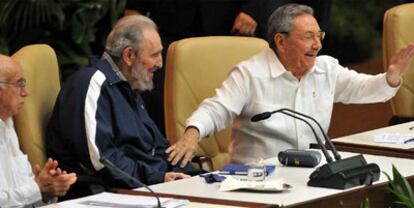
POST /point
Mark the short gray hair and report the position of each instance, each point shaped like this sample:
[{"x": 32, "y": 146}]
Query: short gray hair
[
  {"x": 282, "y": 20},
  {"x": 4, "y": 66},
  {"x": 127, "y": 32}
]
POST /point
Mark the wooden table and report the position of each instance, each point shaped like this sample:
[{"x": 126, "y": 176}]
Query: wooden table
[
  {"x": 299, "y": 196},
  {"x": 364, "y": 142}
]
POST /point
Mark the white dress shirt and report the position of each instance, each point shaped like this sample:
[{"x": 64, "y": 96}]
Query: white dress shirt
[
  {"x": 17, "y": 185},
  {"x": 261, "y": 84}
]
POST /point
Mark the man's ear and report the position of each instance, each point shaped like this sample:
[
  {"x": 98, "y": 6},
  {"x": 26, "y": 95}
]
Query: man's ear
[
  {"x": 280, "y": 42},
  {"x": 128, "y": 56}
]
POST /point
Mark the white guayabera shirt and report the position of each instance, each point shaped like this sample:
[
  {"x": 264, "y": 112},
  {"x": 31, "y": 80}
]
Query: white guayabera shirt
[
  {"x": 17, "y": 185},
  {"x": 262, "y": 83}
]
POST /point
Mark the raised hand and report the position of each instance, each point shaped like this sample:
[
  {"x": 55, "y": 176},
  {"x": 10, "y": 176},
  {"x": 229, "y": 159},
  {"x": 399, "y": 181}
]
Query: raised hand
[{"x": 399, "y": 64}]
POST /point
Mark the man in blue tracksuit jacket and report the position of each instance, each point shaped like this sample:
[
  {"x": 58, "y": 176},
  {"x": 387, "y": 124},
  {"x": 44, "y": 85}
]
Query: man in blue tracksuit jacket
[{"x": 99, "y": 112}]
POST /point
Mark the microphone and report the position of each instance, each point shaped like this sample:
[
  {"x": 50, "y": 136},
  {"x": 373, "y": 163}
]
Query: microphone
[
  {"x": 112, "y": 166},
  {"x": 266, "y": 115},
  {"x": 262, "y": 116},
  {"x": 327, "y": 140},
  {"x": 341, "y": 174}
]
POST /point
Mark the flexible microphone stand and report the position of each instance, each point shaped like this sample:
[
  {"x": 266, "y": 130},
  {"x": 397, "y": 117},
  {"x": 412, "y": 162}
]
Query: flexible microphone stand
[
  {"x": 112, "y": 166},
  {"x": 341, "y": 174},
  {"x": 327, "y": 140},
  {"x": 320, "y": 143}
]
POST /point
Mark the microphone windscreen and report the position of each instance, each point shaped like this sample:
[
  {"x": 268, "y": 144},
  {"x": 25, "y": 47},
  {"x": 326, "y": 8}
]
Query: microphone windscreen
[
  {"x": 261, "y": 116},
  {"x": 301, "y": 158}
]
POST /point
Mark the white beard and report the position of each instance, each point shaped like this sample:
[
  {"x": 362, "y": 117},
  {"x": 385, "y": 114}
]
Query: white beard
[{"x": 140, "y": 83}]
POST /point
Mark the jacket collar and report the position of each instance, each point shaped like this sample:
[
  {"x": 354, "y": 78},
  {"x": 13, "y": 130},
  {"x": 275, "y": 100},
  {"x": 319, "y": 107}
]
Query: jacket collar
[{"x": 109, "y": 68}]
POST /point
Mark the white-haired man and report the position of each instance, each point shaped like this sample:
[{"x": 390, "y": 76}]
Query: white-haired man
[
  {"x": 99, "y": 112},
  {"x": 19, "y": 187}
]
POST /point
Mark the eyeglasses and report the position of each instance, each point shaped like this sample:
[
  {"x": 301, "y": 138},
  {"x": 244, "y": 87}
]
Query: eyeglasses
[
  {"x": 21, "y": 83},
  {"x": 310, "y": 36}
]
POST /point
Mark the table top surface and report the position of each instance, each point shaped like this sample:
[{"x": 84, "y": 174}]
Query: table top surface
[
  {"x": 367, "y": 137},
  {"x": 297, "y": 177}
]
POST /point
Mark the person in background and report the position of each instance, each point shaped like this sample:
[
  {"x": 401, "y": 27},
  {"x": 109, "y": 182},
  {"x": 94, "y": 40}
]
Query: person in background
[
  {"x": 19, "y": 186},
  {"x": 99, "y": 113},
  {"x": 288, "y": 75}
]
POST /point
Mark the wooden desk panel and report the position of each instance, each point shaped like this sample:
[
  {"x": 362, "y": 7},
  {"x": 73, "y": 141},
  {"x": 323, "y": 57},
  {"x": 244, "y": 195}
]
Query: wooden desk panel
[
  {"x": 373, "y": 150},
  {"x": 377, "y": 194}
]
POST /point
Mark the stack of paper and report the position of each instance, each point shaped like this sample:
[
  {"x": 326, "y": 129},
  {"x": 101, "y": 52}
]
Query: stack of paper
[
  {"x": 394, "y": 138},
  {"x": 106, "y": 199},
  {"x": 231, "y": 183}
]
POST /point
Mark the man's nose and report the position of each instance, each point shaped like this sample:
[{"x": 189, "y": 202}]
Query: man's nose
[
  {"x": 159, "y": 62},
  {"x": 24, "y": 92},
  {"x": 317, "y": 44}
]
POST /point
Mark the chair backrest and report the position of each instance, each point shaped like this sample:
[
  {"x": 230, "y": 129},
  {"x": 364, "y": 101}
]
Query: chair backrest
[
  {"x": 398, "y": 32},
  {"x": 195, "y": 68},
  {"x": 40, "y": 67}
]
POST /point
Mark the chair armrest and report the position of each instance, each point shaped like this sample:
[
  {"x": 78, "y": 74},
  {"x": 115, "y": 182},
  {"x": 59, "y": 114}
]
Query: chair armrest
[
  {"x": 203, "y": 162},
  {"x": 399, "y": 120}
]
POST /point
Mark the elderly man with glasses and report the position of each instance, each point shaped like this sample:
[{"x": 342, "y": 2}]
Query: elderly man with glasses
[
  {"x": 288, "y": 75},
  {"x": 18, "y": 186}
]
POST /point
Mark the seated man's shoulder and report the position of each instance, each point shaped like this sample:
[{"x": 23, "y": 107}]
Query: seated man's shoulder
[
  {"x": 83, "y": 77},
  {"x": 256, "y": 59},
  {"x": 326, "y": 59},
  {"x": 326, "y": 62}
]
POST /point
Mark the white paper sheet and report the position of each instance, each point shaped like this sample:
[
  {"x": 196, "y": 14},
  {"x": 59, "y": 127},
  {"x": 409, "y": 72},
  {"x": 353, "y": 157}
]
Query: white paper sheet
[
  {"x": 106, "y": 199},
  {"x": 394, "y": 138},
  {"x": 232, "y": 183}
]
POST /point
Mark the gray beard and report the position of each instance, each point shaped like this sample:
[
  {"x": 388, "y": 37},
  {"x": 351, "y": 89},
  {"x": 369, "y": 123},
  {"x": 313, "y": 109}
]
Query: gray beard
[{"x": 140, "y": 83}]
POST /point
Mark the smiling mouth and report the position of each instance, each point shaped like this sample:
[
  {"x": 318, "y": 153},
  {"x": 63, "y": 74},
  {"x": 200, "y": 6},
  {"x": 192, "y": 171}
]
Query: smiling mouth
[{"x": 310, "y": 55}]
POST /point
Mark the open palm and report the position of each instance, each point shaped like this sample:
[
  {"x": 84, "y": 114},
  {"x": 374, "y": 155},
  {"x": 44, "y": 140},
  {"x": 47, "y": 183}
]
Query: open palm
[{"x": 399, "y": 64}]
